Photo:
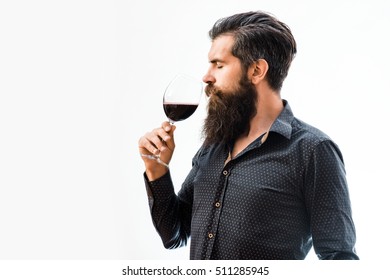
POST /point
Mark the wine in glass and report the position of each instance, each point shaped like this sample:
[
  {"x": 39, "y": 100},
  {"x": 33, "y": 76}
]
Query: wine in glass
[{"x": 181, "y": 99}]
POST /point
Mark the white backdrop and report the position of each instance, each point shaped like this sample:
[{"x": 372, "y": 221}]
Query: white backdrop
[{"x": 81, "y": 81}]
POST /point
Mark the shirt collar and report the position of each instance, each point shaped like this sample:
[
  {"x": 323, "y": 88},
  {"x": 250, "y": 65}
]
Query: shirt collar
[{"x": 282, "y": 124}]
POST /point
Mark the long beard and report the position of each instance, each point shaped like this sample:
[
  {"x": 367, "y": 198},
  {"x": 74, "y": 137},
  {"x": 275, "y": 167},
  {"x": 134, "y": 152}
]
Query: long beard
[{"x": 229, "y": 113}]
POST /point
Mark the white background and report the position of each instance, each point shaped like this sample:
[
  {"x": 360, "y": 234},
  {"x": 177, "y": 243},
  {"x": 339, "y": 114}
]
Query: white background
[{"x": 81, "y": 81}]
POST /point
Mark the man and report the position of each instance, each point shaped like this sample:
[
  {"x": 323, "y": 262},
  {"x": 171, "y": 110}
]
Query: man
[{"x": 264, "y": 185}]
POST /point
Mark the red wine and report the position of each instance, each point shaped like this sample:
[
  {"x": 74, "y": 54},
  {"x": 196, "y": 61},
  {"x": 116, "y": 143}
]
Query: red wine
[{"x": 179, "y": 112}]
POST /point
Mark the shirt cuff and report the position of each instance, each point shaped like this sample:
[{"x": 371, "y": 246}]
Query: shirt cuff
[{"x": 159, "y": 189}]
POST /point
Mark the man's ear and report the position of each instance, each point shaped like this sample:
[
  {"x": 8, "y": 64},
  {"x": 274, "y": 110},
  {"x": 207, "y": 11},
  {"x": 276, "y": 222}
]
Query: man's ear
[{"x": 258, "y": 71}]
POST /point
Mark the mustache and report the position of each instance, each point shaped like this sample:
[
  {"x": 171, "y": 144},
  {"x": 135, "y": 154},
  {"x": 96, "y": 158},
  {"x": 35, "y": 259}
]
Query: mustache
[{"x": 212, "y": 90}]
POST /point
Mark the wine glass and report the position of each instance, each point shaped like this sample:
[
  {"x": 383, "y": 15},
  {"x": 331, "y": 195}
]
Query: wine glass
[{"x": 181, "y": 99}]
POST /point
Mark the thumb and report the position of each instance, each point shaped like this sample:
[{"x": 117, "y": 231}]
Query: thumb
[
  {"x": 173, "y": 128},
  {"x": 172, "y": 131},
  {"x": 171, "y": 142}
]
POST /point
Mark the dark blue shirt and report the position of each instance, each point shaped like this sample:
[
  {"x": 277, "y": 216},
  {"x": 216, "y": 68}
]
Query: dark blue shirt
[{"x": 283, "y": 194}]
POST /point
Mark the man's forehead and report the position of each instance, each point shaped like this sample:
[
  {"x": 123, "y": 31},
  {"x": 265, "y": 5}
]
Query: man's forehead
[{"x": 221, "y": 47}]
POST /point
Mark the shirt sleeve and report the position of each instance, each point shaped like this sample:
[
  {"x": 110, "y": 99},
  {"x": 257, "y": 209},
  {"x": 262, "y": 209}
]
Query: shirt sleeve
[
  {"x": 171, "y": 216},
  {"x": 328, "y": 204}
]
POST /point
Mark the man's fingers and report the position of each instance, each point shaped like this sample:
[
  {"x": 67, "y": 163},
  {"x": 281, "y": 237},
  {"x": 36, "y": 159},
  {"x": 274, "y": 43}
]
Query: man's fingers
[
  {"x": 159, "y": 143},
  {"x": 158, "y": 140},
  {"x": 145, "y": 144}
]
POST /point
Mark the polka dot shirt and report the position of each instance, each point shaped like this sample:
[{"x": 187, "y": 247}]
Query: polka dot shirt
[{"x": 274, "y": 200}]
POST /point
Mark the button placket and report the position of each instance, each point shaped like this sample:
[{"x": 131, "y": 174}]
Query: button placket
[{"x": 213, "y": 226}]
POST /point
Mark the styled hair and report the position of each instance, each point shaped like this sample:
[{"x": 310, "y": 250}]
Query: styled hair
[{"x": 258, "y": 35}]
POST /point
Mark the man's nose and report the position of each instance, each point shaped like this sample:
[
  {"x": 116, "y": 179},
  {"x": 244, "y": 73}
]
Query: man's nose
[{"x": 208, "y": 78}]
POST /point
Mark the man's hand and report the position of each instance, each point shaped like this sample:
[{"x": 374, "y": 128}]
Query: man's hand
[{"x": 158, "y": 142}]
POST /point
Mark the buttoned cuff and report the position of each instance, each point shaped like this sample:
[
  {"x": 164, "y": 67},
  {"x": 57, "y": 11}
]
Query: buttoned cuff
[{"x": 159, "y": 189}]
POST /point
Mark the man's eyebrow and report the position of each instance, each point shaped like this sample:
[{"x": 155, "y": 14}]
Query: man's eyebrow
[{"x": 216, "y": 60}]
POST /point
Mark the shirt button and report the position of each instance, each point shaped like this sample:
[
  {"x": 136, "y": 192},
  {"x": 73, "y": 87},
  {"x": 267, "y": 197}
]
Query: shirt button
[
  {"x": 211, "y": 235},
  {"x": 217, "y": 204},
  {"x": 225, "y": 172}
]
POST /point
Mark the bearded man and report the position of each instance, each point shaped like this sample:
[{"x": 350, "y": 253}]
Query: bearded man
[{"x": 264, "y": 184}]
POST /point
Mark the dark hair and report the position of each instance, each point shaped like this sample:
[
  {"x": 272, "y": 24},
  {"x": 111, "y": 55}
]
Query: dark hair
[{"x": 258, "y": 35}]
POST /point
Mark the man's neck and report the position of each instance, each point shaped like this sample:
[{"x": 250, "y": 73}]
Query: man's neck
[{"x": 269, "y": 107}]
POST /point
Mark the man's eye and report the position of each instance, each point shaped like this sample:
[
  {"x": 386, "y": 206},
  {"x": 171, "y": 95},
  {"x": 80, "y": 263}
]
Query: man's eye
[{"x": 219, "y": 66}]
